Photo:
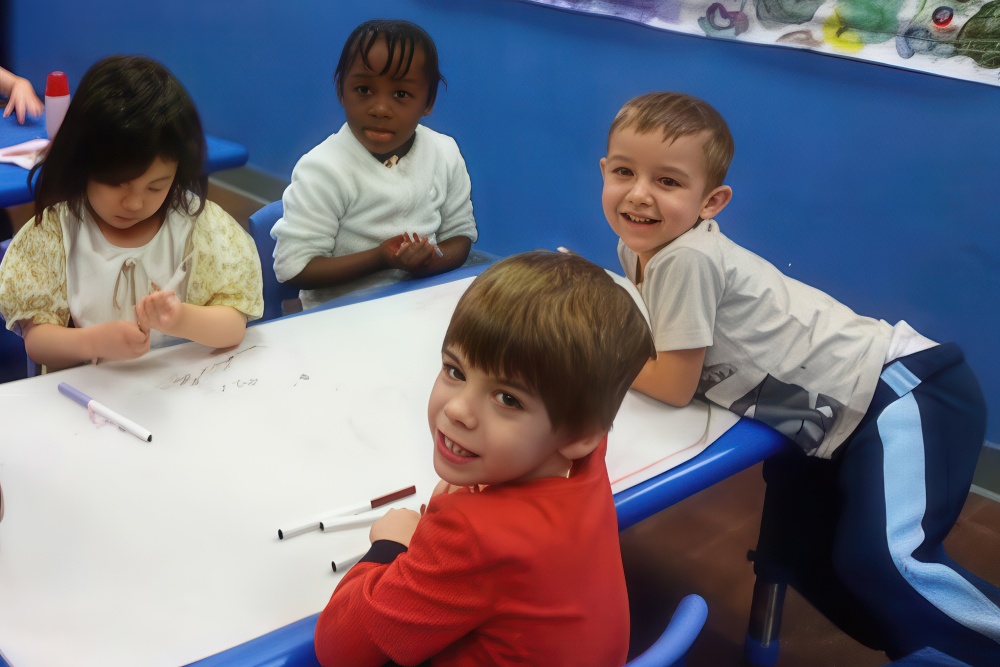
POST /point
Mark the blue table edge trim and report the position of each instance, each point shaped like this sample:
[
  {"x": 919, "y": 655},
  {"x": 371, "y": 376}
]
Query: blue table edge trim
[
  {"x": 288, "y": 646},
  {"x": 745, "y": 444}
]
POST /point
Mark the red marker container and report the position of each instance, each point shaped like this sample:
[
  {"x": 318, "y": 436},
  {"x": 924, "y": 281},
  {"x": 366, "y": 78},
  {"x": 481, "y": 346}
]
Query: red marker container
[{"x": 56, "y": 102}]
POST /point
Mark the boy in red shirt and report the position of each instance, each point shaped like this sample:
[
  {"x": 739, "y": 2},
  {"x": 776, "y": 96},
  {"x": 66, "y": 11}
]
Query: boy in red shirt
[{"x": 516, "y": 558}]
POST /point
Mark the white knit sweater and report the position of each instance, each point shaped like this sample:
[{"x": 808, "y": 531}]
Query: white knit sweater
[{"x": 342, "y": 200}]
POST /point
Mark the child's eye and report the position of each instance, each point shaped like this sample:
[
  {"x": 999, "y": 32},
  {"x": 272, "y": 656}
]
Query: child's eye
[
  {"x": 669, "y": 182},
  {"x": 401, "y": 95},
  {"x": 507, "y": 400},
  {"x": 622, "y": 171},
  {"x": 453, "y": 373},
  {"x": 364, "y": 90}
]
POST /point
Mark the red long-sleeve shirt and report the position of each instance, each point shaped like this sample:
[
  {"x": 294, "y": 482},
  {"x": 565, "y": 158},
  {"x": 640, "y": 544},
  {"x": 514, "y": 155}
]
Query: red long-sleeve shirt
[{"x": 526, "y": 574}]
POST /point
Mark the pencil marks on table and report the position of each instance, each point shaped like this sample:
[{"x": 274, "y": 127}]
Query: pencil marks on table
[
  {"x": 236, "y": 371},
  {"x": 193, "y": 379}
]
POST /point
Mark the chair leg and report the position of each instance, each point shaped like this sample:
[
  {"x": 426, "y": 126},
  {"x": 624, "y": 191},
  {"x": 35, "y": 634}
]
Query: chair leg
[
  {"x": 760, "y": 648},
  {"x": 791, "y": 537}
]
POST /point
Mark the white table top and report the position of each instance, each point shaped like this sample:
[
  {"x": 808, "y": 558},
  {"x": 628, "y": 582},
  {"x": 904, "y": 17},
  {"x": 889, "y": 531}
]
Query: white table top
[{"x": 118, "y": 552}]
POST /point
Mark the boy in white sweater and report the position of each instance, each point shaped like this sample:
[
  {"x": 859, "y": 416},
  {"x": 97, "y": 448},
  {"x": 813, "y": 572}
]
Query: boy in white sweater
[{"x": 384, "y": 198}]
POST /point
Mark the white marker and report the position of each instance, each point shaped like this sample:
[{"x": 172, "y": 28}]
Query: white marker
[
  {"x": 105, "y": 412},
  {"x": 308, "y": 526},
  {"x": 345, "y": 564},
  {"x": 317, "y": 523},
  {"x": 373, "y": 503},
  {"x": 179, "y": 275},
  {"x": 416, "y": 238},
  {"x": 339, "y": 522}
]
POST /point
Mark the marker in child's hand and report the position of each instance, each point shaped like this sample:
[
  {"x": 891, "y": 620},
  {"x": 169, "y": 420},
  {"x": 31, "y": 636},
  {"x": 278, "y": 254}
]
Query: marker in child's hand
[
  {"x": 416, "y": 239},
  {"x": 174, "y": 282}
]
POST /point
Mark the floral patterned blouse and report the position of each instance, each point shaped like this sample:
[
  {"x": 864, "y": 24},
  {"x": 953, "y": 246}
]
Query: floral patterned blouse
[{"x": 216, "y": 260}]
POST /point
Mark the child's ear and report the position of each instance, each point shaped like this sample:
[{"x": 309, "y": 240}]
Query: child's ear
[
  {"x": 582, "y": 445},
  {"x": 604, "y": 161},
  {"x": 715, "y": 201}
]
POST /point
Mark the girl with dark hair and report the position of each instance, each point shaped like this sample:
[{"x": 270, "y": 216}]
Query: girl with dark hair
[
  {"x": 124, "y": 248},
  {"x": 385, "y": 197}
]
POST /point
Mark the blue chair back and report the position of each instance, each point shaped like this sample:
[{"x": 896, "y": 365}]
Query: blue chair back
[
  {"x": 13, "y": 360},
  {"x": 673, "y": 645},
  {"x": 292, "y": 645},
  {"x": 261, "y": 223}
]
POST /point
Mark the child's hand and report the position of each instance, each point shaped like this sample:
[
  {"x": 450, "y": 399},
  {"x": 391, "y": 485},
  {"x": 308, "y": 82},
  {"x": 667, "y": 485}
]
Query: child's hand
[
  {"x": 22, "y": 100},
  {"x": 397, "y": 525},
  {"x": 408, "y": 252},
  {"x": 415, "y": 252},
  {"x": 159, "y": 310},
  {"x": 121, "y": 340}
]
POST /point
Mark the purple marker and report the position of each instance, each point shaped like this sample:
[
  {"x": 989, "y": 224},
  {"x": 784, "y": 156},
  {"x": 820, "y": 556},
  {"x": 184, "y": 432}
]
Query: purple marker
[{"x": 106, "y": 413}]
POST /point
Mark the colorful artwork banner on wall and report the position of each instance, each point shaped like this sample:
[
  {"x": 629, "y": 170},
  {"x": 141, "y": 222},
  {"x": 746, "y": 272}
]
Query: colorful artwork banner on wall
[{"x": 954, "y": 38}]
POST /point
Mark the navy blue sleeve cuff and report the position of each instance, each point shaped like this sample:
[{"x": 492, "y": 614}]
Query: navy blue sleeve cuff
[{"x": 384, "y": 552}]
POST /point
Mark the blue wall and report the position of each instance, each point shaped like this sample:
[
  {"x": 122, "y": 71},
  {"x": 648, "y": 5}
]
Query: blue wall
[{"x": 874, "y": 184}]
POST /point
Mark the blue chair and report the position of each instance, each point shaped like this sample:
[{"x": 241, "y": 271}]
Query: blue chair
[
  {"x": 673, "y": 645},
  {"x": 292, "y": 645},
  {"x": 275, "y": 292},
  {"x": 14, "y": 364}
]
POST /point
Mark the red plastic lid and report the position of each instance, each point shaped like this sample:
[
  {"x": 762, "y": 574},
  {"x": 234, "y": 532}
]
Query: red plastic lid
[{"x": 57, "y": 85}]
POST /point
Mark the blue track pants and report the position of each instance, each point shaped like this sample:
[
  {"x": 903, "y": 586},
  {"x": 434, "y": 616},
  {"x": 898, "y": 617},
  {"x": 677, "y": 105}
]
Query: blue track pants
[{"x": 861, "y": 536}]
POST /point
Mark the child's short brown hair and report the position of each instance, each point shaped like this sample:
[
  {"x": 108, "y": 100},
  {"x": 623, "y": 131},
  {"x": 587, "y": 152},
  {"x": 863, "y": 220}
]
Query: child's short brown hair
[
  {"x": 678, "y": 115},
  {"x": 560, "y": 325}
]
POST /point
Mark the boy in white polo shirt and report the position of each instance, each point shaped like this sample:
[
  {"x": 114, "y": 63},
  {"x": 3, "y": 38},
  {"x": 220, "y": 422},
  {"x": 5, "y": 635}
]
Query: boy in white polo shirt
[{"x": 889, "y": 423}]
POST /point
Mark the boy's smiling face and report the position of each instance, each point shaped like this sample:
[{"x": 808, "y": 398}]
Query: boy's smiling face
[
  {"x": 383, "y": 112},
  {"x": 656, "y": 190},
  {"x": 490, "y": 431}
]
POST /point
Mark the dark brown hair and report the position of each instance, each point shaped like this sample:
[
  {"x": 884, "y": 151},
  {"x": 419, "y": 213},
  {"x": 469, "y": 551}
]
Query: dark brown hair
[
  {"x": 559, "y": 325},
  {"x": 127, "y": 111}
]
